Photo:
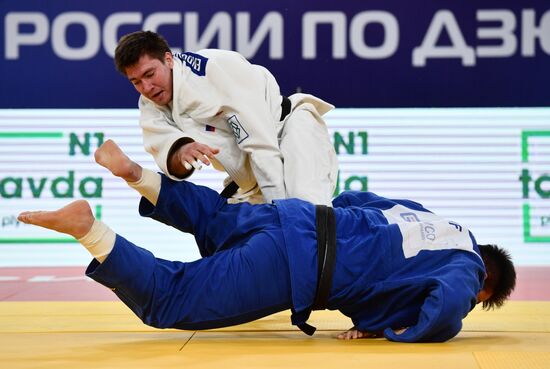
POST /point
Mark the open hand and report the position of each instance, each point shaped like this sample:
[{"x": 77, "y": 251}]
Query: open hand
[
  {"x": 354, "y": 333},
  {"x": 194, "y": 154}
]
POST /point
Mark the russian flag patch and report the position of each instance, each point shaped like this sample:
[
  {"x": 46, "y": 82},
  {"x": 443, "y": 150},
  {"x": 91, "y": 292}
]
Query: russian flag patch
[{"x": 210, "y": 128}]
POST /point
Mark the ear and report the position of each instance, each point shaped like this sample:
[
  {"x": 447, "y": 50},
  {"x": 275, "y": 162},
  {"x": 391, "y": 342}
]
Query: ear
[
  {"x": 169, "y": 59},
  {"x": 486, "y": 291},
  {"x": 484, "y": 295}
]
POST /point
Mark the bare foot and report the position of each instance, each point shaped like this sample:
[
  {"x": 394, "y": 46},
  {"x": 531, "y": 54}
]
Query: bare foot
[
  {"x": 75, "y": 219},
  {"x": 110, "y": 156}
]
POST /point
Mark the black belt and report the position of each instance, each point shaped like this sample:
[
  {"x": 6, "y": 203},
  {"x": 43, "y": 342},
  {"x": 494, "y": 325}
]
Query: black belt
[
  {"x": 286, "y": 105},
  {"x": 232, "y": 187},
  {"x": 230, "y": 190},
  {"x": 326, "y": 258}
]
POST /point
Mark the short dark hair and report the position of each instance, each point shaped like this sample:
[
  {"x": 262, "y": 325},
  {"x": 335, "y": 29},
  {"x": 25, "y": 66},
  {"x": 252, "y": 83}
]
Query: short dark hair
[
  {"x": 501, "y": 275},
  {"x": 134, "y": 45}
]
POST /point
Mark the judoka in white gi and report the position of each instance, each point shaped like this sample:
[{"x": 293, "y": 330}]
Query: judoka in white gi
[
  {"x": 215, "y": 103},
  {"x": 394, "y": 267}
]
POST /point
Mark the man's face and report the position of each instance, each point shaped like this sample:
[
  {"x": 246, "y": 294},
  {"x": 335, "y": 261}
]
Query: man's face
[{"x": 153, "y": 78}]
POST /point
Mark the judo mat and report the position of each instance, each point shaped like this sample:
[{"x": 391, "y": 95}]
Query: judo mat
[{"x": 105, "y": 334}]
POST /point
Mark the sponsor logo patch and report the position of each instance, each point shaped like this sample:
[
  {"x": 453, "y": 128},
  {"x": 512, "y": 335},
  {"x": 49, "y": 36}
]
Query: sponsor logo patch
[
  {"x": 409, "y": 217},
  {"x": 238, "y": 130},
  {"x": 195, "y": 62},
  {"x": 422, "y": 230}
]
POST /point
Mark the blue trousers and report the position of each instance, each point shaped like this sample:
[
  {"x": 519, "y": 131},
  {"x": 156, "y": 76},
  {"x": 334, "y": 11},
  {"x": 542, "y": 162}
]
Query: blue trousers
[{"x": 243, "y": 275}]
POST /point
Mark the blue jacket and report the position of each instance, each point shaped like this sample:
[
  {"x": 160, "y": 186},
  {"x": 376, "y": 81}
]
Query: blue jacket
[{"x": 397, "y": 265}]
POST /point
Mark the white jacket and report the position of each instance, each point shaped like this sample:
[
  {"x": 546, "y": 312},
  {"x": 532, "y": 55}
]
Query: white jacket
[{"x": 223, "y": 101}]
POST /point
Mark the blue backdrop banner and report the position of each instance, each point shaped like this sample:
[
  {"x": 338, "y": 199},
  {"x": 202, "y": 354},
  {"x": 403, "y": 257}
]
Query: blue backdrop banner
[{"x": 355, "y": 53}]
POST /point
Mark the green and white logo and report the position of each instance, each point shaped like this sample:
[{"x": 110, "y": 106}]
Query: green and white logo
[
  {"x": 354, "y": 143},
  {"x": 32, "y": 180},
  {"x": 535, "y": 181}
]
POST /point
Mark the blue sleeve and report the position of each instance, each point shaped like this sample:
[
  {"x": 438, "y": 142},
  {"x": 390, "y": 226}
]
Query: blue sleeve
[
  {"x": 441, "y": 314},
  {"x": 439, "y": 320}
]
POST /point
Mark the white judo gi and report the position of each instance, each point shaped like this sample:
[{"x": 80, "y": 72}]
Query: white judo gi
[{"x": 223, "y": 101}]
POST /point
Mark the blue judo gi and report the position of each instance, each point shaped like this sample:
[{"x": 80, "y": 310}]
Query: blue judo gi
[{"x": 397, "y": 265}]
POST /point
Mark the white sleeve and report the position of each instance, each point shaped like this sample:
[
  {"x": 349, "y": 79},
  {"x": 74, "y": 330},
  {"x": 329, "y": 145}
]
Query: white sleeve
[
  {"x": 159, "y": 134},
  {"x": 236, "y": 89}
]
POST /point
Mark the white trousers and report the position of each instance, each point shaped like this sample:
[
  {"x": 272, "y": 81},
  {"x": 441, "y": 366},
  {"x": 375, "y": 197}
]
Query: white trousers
[{"x": 310, "y": 162}]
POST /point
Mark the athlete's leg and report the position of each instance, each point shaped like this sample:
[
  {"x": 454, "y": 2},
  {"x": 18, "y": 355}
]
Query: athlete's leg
[
  {"x": 146, "y": 182},
  {"x": 181, "y": 205},
  {"x": 234, "y": 286},
  {"x": 310, "y": 162},
  {"x": 134, "y": 267},
  {"x": 231, "y": 287}
]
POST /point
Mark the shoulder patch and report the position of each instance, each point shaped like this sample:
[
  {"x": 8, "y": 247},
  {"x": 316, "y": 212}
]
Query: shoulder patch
[
  {"x": 238, "y": 130},
  {"x": 422, "y": 230},
  {"x": 195, "y": 62}
]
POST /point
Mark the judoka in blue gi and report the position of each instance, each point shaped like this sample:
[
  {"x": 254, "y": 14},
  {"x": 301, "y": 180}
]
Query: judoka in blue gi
[{"x": 392, "y": 266}]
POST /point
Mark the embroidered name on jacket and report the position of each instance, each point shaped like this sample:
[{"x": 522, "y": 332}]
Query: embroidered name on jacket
[
  {"x": 238, "y": 130},
  {"x": 195, "y": 62}
]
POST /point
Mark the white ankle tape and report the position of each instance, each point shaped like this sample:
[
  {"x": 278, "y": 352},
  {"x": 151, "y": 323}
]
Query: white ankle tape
[
  {"x": 99, "y": 241},
  {"x": 148, "y": 185}
]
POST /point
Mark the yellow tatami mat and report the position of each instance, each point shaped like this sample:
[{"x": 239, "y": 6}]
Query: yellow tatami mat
[{"x": 107, "y": 335}]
